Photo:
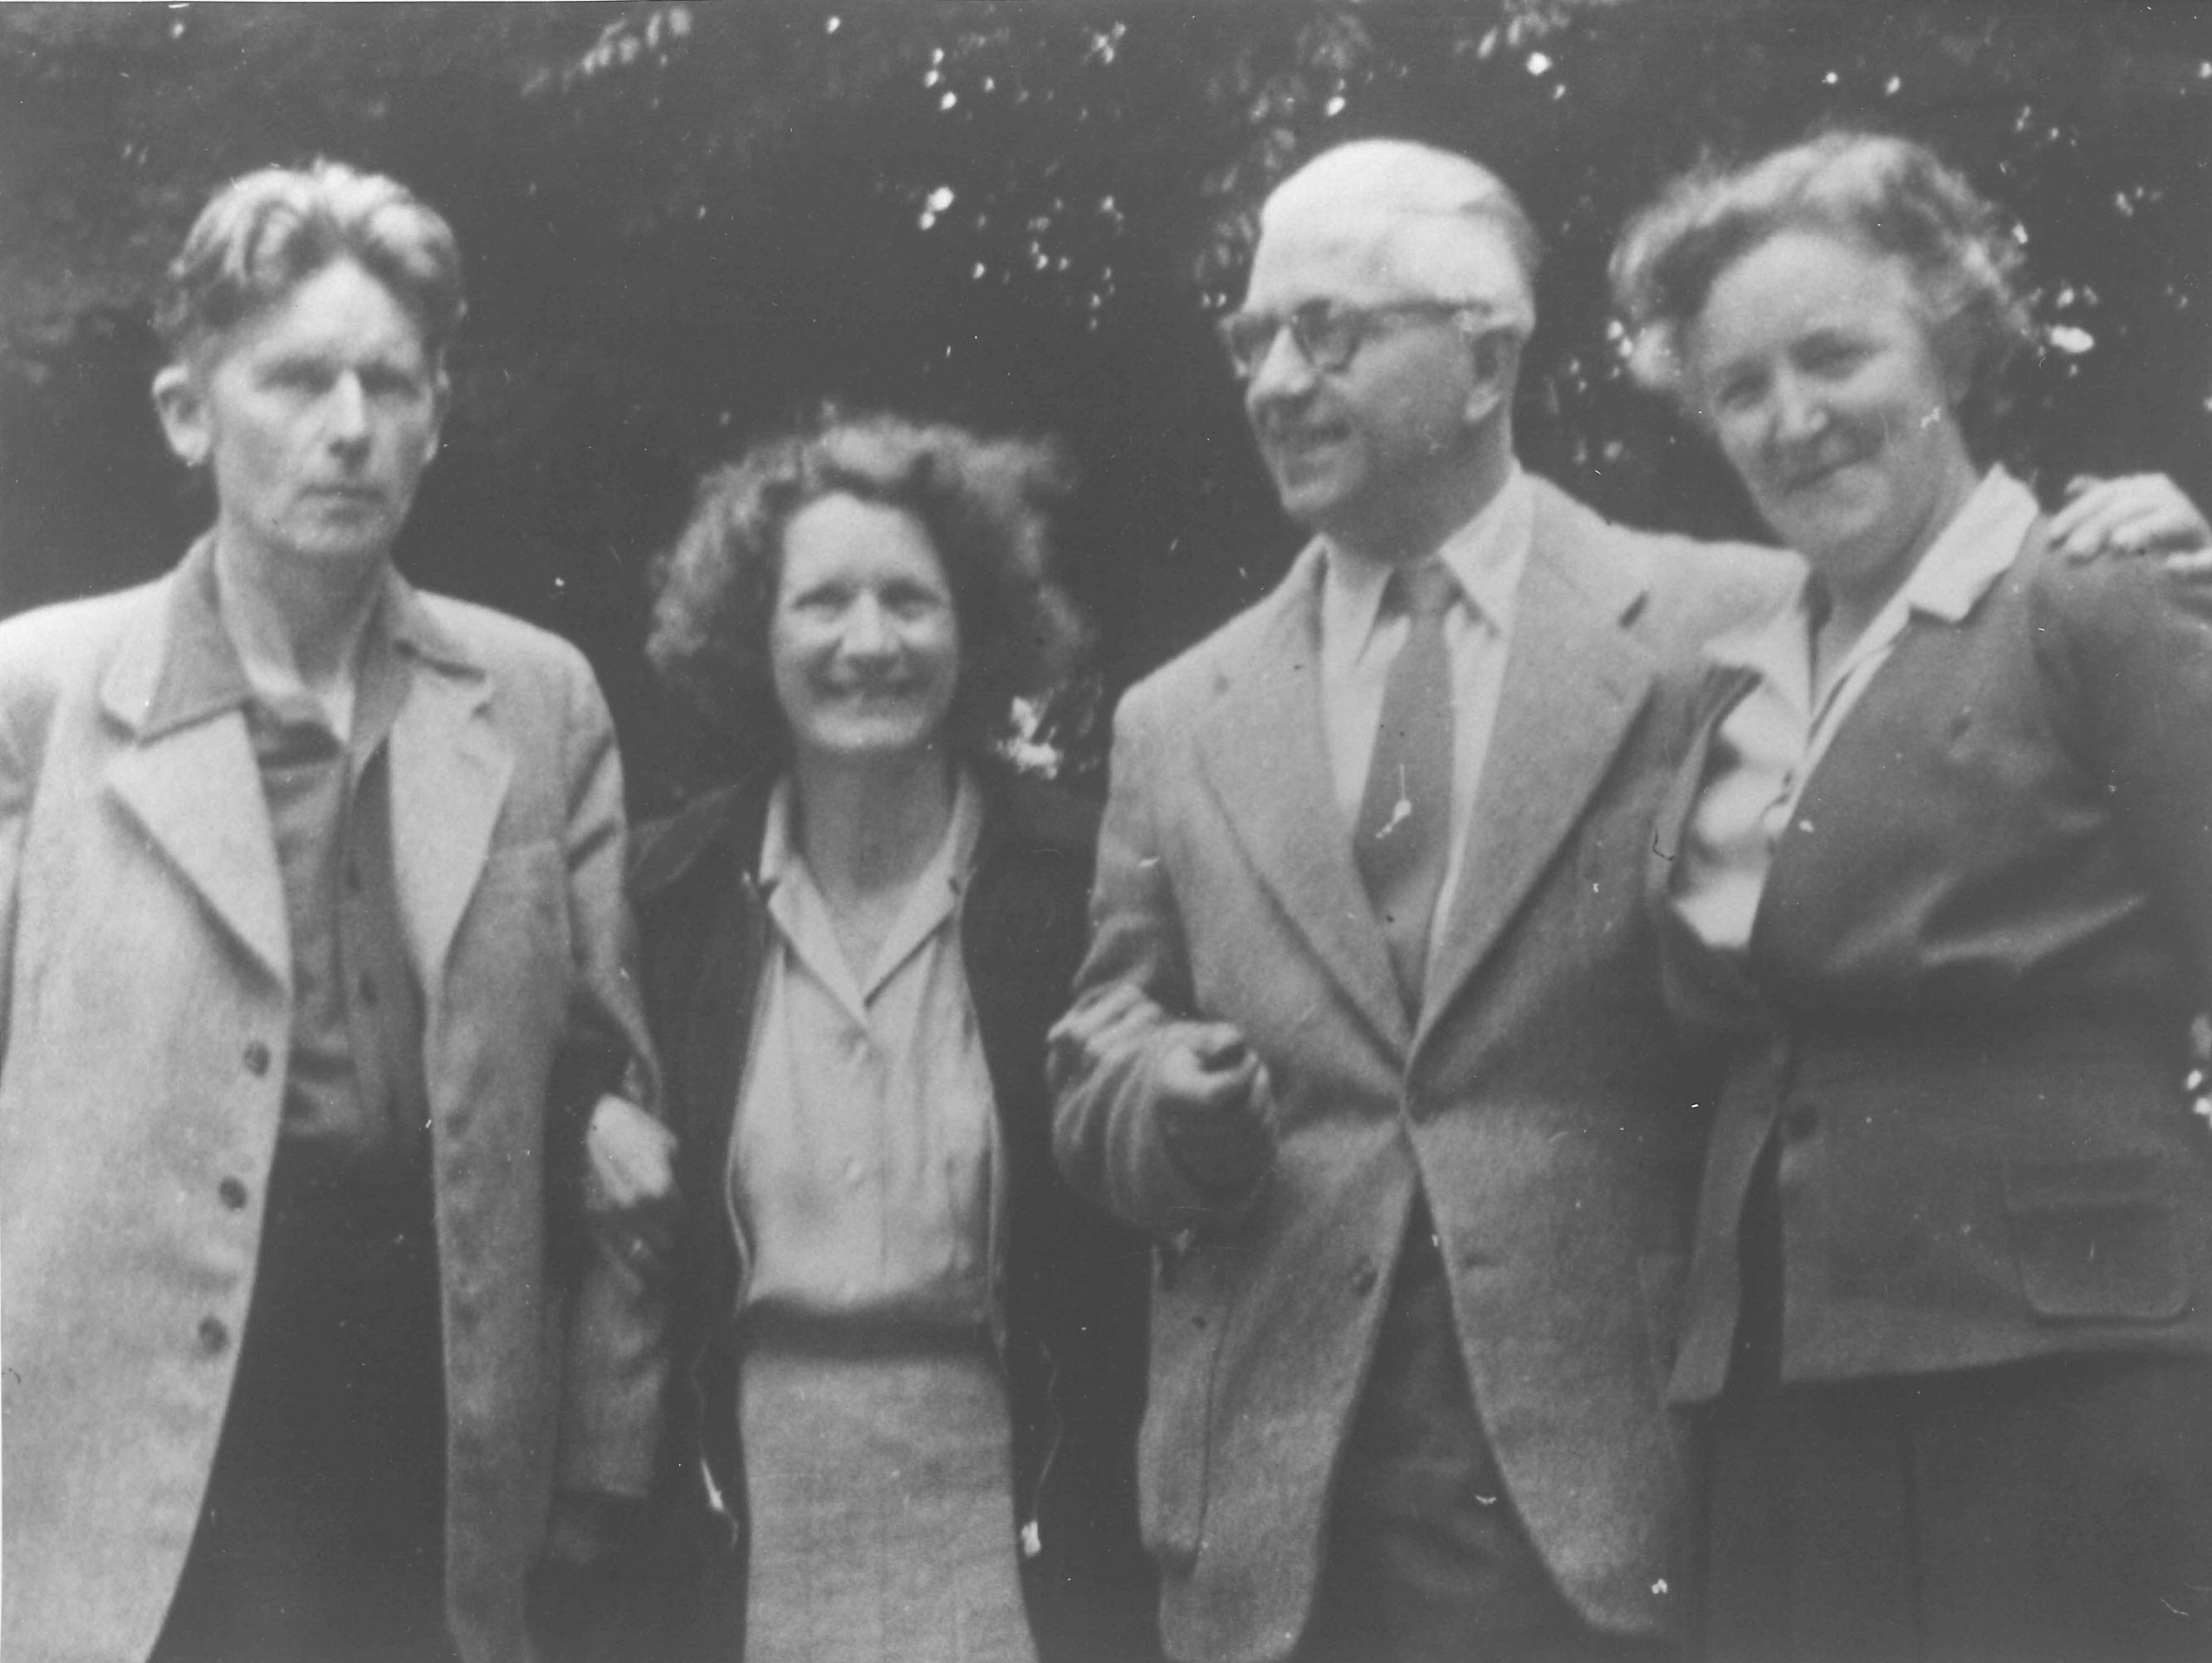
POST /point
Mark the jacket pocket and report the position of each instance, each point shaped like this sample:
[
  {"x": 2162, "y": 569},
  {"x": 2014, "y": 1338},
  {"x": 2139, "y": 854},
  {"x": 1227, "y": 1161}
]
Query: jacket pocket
[{"x": 2096, "y": 1240}]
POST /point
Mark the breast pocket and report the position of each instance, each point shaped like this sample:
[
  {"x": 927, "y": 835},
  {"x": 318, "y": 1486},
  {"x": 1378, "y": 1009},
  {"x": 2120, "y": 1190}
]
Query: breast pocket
[{"x": 2095, "y": 1239}]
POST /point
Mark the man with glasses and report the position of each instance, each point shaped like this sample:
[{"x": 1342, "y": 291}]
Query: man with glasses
[{"x": 1370, "y": 1038}]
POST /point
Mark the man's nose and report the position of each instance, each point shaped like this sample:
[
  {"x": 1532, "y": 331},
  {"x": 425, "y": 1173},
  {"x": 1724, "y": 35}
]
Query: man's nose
[
  {"x": 346, "y": 412},
  {"x": 1283, "y": 372}
]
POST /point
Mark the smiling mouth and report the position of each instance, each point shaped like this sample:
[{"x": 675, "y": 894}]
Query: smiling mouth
[
  {"x": 1299, "y": 442},
  {"x": 1799, "y": 480},
  {"x": 873, "y": 694}
]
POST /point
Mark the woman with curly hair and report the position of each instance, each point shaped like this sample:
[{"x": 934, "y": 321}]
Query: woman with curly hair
[
  {"x": 1940, "y": 878},
  {"x": 915, "y": 1358}
]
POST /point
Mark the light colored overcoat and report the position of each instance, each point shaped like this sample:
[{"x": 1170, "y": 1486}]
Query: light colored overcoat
[
  {"x": 1538, "y": 1099},
  {"x": 145, "y": 998}
]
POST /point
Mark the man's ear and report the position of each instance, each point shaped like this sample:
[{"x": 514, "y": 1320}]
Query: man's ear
[
  {"x": 442, "y": 404},
  {"x": 1494, "y": 356},
  {"x": 181, "y": 403}
]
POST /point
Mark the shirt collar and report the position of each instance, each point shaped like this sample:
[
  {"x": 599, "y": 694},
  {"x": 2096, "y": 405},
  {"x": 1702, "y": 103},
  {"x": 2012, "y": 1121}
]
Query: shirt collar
[
  {"x": 1974, "y": 550},
  {"x": 1969, "y": 555},
  {"x": 796, "y": 904},
  {"x": 947, "y": 871},
  {"x": 1486, "y": 555},
  {"x": 203, "y": 674}
]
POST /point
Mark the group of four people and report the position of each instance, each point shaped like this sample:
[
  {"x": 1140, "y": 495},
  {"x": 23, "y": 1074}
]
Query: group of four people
[{"x": 1607, "y": 1097}]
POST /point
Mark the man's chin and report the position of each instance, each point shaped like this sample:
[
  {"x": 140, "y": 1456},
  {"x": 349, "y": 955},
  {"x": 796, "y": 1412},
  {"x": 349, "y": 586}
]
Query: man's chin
[
  {"x": 1310, "y": 496},
  {"x": 338, "y": 556}
]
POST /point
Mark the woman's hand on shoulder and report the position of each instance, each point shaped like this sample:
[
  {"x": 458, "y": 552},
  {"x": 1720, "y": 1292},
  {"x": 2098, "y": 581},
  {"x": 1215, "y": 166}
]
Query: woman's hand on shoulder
[{"x": 2133, "y": 514}]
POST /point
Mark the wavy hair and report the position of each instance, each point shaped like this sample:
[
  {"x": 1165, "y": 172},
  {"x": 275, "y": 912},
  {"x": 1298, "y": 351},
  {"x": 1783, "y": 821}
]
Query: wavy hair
[
  {"x": 1893, "y": 195},
  {"x": 983, "y": 503},
  {"x": 266, "y": 232}
]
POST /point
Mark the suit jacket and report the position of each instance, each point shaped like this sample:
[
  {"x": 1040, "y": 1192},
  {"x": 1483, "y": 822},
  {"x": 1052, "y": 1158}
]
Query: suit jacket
[
  {"x": 1965, "y": 999},
  {"x": 1068, "y": 1282},
  {"x": 145, "y": 1005},
  {"x": 1538, "y": 1099}
]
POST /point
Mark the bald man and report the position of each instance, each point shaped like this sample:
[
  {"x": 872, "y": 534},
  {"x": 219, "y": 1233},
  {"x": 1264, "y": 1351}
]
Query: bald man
[{"x": 1370, "y": 1037}]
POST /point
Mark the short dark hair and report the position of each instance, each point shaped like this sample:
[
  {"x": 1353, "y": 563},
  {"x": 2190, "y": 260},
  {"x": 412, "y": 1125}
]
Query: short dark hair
[
  {"x": 983, "y": 503},
  {"x": 266, "y": 232},
  {"x": 1893, "y": 195}
]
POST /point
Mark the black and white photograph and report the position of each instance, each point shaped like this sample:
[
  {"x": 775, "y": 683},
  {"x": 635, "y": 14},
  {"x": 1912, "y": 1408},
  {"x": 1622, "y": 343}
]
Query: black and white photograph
[{"x": 1106, "y": 831}]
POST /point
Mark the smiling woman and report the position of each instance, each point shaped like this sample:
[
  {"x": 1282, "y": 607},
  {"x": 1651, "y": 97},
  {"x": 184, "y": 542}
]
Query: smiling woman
[
  {"x": 1939, "y": 892},
  {"x": 865, "y": 640},
  {"x": 972, "y": 508},
  {"x": 1813, "y": 365},
  {"x": 906, "y": 1336}
]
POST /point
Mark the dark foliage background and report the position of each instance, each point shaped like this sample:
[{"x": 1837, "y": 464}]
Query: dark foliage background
[{"x": 686, "y": 222}]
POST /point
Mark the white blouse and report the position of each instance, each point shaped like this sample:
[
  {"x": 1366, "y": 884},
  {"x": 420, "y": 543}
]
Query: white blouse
[
  {"x": 1770, "y": 743},
  {"x": 860, "y": 1172}
]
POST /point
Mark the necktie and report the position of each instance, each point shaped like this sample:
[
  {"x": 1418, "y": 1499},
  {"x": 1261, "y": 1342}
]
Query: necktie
[{"x": 1404, "y": 813}]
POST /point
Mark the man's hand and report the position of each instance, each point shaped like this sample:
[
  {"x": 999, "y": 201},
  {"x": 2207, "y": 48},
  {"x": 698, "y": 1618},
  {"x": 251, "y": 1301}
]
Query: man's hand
[
  {"x": 1209, "y": 1089},
  {"x": 629, "y": 1184},
  {"x": 1212, "y": 1104},
  {"x": 1096, "y": 1030},
  {"x": 2137, "y": 513}
]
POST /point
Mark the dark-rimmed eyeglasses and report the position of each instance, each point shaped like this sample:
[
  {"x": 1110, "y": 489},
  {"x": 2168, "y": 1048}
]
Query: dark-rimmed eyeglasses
[{"x": 1327, "y": 336}]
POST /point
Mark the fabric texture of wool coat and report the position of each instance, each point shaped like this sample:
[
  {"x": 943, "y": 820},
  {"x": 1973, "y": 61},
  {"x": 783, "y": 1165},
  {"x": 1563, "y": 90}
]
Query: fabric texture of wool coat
[
  {"x": 145, "y": 1005},
  {"x": 1538, "y": 1098}
]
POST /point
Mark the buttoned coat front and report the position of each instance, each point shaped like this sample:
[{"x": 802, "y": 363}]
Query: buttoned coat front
[
  {"x": 1538, "y": 1099},
  {"x": 145, "y": 998}
]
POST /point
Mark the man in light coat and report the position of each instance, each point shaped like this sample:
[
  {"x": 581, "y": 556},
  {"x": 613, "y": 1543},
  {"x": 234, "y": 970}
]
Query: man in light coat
[
  {"x": 313, "y": 956},
  {"x": 1370, "y": 1036}
]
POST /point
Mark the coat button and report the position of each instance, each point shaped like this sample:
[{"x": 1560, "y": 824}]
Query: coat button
[
  {"x": 1364, "y": 1279},
  {"x": 213, "y": 1335},
  {"x": 257, "y": 1059},
  {"x": 232, "y": 1193},
  {"x": 1801, "y": 1121}
]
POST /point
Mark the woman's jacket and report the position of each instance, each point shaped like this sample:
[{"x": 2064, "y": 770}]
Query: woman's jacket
[
  {"x": 1963, "y": 1017},
  {"x": 1069, "y": 1302}
]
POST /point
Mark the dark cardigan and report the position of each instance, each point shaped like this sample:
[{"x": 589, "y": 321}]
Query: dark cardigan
[{"x": 1075, "y": 1279}]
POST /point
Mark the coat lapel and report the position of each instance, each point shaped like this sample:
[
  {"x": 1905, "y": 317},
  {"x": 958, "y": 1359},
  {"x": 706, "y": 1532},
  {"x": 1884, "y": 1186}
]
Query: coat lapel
[
  {"x": 1575, "y": 679},
  {"x": 196, "y": 790},
  {"x": 449, "y": 777},
  {"x": 1262, "y": 752}
]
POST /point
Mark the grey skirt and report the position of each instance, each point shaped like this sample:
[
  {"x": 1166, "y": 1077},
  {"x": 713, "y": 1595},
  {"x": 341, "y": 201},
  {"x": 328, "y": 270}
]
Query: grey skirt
[{"x": 879, "y": 1488}]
